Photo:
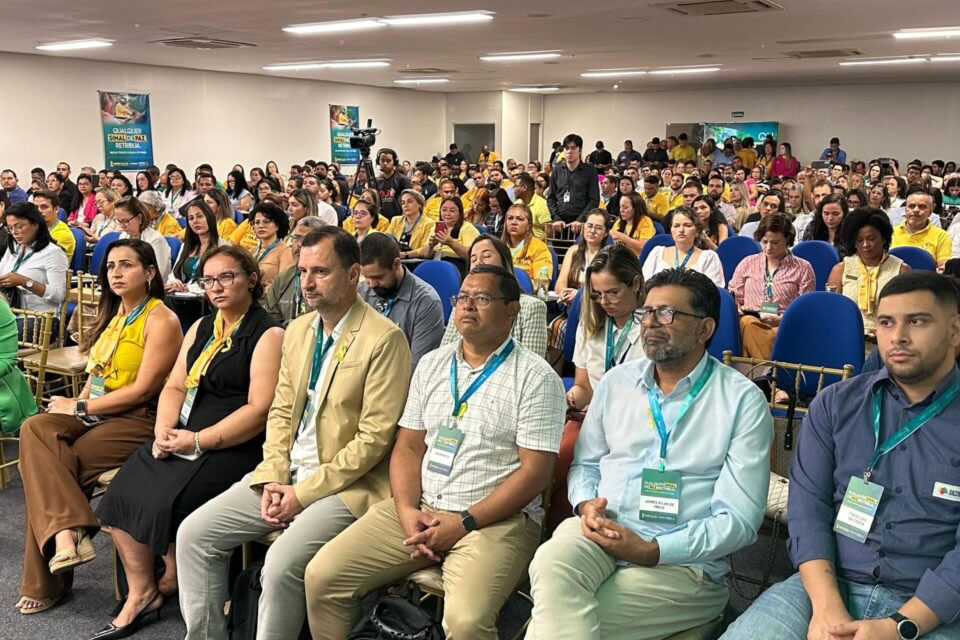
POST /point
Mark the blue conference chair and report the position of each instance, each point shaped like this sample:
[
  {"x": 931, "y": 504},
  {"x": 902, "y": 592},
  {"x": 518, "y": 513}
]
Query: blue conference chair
[
  {"x": 238, "y": 216},
  {"x": 175, "y": 245},
  {"x": 100, "y": 250},
  {"x": 819, "y": 329},
  {"x": 444, "y": 278},
  {"x": 659, "y": 240},
  {"x": 727, "y": 335},
  {"x": 182, "y": 222},
  {"x": 658, "y": 227},
  {"x": 733, "y": 250},
  {"x": 556, "y": 268},
  {"x": 523, "y": 279},
  {"x": 76, "y": 264},
  {"x": 570, "y": 337},
  {"x": 917, "y": 258},
  {"x": 821, "y": 256}
]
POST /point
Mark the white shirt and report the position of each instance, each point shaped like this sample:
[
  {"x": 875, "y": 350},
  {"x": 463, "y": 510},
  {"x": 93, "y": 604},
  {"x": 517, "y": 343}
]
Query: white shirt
[
  {"x": 800, "y": 223},
  {"x": 48, "y": 266},
  {"x": 706, "y": 262},
  {"x": 590, "y": 353},
  {"x": 327, "y": 213},
  {"x": 304, "y": 459},
  {"x": 160, "y": 249}
]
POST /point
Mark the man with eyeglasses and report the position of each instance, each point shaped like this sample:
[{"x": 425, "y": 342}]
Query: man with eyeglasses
[
  {"x": 475, "y": 451},
  {"x": 574, "y": 189},
  {"x": 916, "y": 230},
  {"x": 343, "y": 382},
  {"x": 669, "y": 478},
  {"x": 284, "y": 301}
]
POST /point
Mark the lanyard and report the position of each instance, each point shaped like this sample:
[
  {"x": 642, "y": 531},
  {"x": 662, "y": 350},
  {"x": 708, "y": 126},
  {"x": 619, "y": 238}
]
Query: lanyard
[
  {"x": 24, "y": 256},
  {"x": 613, "y": 350},
  {"x": 386, "y": 306},
  {"x": 515, "y": 252},
  {"x": 682, "y": 265},
  {"x": 768, "y": 277},
  {"x": 103, "y": 225},
  {"x": 907, "y": 430},
  {"x": 460, "y": 402},
  {"x": 657, "y": 412},
  {"x": 319, "y": 351},
  {"x": 101, "y": 358},
  {"x": 261, "y": 256}
]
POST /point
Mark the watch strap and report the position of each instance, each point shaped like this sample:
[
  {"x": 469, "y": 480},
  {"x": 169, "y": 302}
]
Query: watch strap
[
  {"x": 907, "y": 629},
  {"x": 469, "y": 522},
  {"x": 81, "y": 409}
]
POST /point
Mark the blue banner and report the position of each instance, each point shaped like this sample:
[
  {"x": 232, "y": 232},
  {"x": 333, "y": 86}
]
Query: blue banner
[
  {"x": 342, "y": 118},
  {"x": 127, "y": 139},
  {"x": 720, "y": 131}
]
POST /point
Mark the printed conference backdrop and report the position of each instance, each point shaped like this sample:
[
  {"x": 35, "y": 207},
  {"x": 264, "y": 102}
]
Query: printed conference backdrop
[
  {"x": 720, "y": 131},
  {"x": 127, "y": 139},
  {"x": 342, "y": 118}
]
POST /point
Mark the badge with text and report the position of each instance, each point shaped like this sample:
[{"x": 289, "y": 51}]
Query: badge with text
[
  {"x": 660, "y": 496},
  {"x": 946, "y": 491},
  {"x": 187, "y": 406},
  {"x": 859, "y": 508},
  {"x": 444, "y": 450},
  {"x": 97, "y": 388},
  {"x": 769, "y": 309}
]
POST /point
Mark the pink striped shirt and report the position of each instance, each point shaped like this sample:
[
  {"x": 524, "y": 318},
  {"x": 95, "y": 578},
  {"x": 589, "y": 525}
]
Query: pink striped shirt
[{"x": 790, "y": 281}]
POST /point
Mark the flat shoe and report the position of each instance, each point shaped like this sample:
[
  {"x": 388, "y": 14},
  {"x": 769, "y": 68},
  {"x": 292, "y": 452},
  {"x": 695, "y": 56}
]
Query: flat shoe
[
  {"x": 68, "y": 559},
  {"x": 45, "y": 603}
]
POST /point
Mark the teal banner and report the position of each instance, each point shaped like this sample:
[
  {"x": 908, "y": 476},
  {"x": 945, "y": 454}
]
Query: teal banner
[
  {"x": 127, "y": 139},
  {"x": 342, "y": 118}
]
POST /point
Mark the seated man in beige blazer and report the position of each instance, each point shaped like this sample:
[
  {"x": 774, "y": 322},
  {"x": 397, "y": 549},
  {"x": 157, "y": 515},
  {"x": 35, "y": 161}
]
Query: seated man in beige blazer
[{"x": 342, "y": 388}]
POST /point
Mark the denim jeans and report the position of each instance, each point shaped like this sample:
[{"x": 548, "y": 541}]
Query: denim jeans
[{"x": 783, "y": 612}]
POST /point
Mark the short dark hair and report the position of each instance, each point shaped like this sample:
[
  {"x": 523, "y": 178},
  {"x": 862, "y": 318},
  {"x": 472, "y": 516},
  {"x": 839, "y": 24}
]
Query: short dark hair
[
  {"x": 865, "y": 217},
  {"x": 940, "y": 286},
  {"x": 834, "y": 140},
  {"x": 683, "y": 136},
  {"x": 10, "y": 171},
  {"x": 573, "y": 138},
  {"x": 274, "y": 213},
  {"x": 381, "y": 248},
  {"x": 345, "y": 246},
  {"x": 506, "y": 281},
  {"x": 242, "y": 257},
  {"x": 776, "y": 223},
  {"x": 49, "y": 195},
  {"x": 526, "y": 179},
  {"x": 701, "y": 291}
]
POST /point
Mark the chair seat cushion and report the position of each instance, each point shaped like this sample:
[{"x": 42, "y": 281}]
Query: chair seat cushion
[
  {"x": 269, "y": 538},
  {"x": 107, "y": 477},
  {"x": 67, "y": 359},
  {"x": 430, "y": 579}
]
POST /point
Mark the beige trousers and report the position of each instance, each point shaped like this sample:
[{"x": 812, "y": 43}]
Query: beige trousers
[
  {"x": 579, "y": 593},
  {"x": 479, "y": 573}
]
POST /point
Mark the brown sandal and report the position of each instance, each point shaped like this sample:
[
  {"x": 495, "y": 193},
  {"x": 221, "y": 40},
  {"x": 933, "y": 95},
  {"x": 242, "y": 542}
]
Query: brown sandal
[{"x": 68, "y": 559}]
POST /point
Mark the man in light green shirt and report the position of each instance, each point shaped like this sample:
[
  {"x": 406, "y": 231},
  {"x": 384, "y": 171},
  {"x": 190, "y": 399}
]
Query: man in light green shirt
[
  {"x": 525, "y": 190},
  {"x": 49, "y": 205}
]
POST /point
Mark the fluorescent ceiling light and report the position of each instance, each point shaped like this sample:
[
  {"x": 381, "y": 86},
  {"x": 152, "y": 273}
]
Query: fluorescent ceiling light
[
  {"x": 535, "y": 89},
  {"x": 514, "y": 57},
  {"x": 916, "y": 34},
  {"x": 953, "y": 58},
  {"x": 421, "y": 80},
  {"x": 663, "y": 72},
  {"x": 339, "y": 26},
  {"x": 425, "y": 19},
  {"x": 303, "y": 66},
  {"x": 613, "y": 73},
  {"x": 75, "y": 44},
  {"x": 862, "y": 63},
  {"x": 334, "y": 64}
]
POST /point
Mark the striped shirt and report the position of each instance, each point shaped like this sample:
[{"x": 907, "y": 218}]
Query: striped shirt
[{"x": 791, "y": 280}]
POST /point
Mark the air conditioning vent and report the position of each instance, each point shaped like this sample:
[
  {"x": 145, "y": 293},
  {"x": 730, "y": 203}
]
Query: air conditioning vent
[
  {"x": 824, "y": 53},
  {"x": 720, "y": 7},
  {"x": 203, "y": 44}
]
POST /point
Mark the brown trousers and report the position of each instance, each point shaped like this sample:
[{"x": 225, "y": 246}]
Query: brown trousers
[
  {"x": 60, "y": 461},
  {"x": 757, "y": 338}
]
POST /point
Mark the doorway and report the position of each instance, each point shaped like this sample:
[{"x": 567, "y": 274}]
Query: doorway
[{"x": 470, "y": 138}]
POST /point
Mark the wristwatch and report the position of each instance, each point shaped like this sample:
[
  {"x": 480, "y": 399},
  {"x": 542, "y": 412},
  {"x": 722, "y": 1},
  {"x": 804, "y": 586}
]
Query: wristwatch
[
  {"x": 469, "y": 522},
  {"x": 906, "y": 628},
  {"x": 28, "y": 285},
  {"x": 81, "y": 409}
]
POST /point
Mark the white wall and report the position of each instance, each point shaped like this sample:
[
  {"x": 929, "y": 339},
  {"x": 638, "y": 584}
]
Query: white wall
[
  {"x": 519, "y": 111},
  {"x": 475, "y": 107},
  {"x": 899, "y": 120},
  {"x": 197, "y": 116}
]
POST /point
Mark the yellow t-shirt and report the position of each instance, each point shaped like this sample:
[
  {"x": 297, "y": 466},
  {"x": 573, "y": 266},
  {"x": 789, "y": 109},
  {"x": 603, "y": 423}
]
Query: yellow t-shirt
[
  {"x": 490, "y": 159},
  {"x": 643, "y": 231},
  {"x": 244, "y": 236},
  {"x": 748, "y": 157},
  {"x": 226, "y": 227},
  {"x": 468, "y": 233},
  {"x": 382, "y": 224},
  {"x": 62, "y": 235},
  {"x": 541, "y": 215},
  {"x": 675, "y": 201},
  {"x": 421, "y": 232},
  {"x": 169, "y": 228},
  {"x": 659, "y": 205},
  {"x": 933, "y": 240},
  {"x": 431, "y": 208},
  {"x": 532, "y": 256},
  {"x": 683, "y": 153}
]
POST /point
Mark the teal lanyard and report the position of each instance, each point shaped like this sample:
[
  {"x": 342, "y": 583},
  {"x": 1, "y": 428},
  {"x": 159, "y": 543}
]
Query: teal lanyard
[
  {"x": 24, "y": 256},
  {"x": 768, "y": 277},
  {"x": 261, "y": 256},
  {"x": 387, "y": 306},
  {"x": 614, "y": 349},
  {"x": 319, "y": 351},
  {"x": 683, "y": 265},
  {"x": 103, "y": 225},
  {"x": 460, "y": 402},
  {"x": 519, "y": 248},
  {"x": 657, "y": 412},
  {"x": 410, "y": 229},
  {"x": 907, "y": 430},
  {"x": 190, "y": 267},
  {"x": 137, "y": 310}
]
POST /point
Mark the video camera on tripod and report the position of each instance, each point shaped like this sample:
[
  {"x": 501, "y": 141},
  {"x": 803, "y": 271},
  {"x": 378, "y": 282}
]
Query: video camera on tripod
[{"x": 363, "y": 140}]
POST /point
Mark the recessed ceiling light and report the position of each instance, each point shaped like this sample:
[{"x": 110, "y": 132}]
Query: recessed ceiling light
[
  {"x": 338, "y": 26},
  {"x": 335, "y": 64},
  {"x": 301, "y": 66},
  {"x": 75, "y": 44},
  {"x": 514, "y": 57},
  {"x": 678, "y": 70},
  {"x": 863, "y": 63},
  {"x": 421, "y": 80},
  {"x": 952, "y": 58},
  {"x": 426, "y": 19},
  {"x": 937, "y": 32},
  {"x": 535, "y": 89},
  {"x": 613, "y": 73}
]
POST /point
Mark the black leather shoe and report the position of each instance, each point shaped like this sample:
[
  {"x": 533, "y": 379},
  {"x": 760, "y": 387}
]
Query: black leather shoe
[{"x": 144, "y": 618}]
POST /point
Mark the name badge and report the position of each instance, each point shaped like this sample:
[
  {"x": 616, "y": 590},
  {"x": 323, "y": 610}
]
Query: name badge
[
  {"x": 770, "y": 309},
  {"x": 566, "y": 196},
  {"x": 187, "y": 405},
  {"x": 859, "y": 508},
  {"x": 660, "y": 496},
  {"x": 97, "y": 387},
  {"x": 444, "y": 450},
  {"x": 946, "y": 491}
]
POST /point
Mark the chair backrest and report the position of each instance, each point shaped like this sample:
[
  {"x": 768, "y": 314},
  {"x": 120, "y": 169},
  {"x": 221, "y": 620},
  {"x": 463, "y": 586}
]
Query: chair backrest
[
  {"x": 556, "y": 269},
  {"x": 87, "y": 302},
  {"x": 659, "y": 240},
  {"x": 819, "y": 329},
  {"x": 731, "y": 232},
  {"x": 444, "y": 278},
  {"x": 917, "y": 258},
  {"x": 174, "y": 244},
  {"x": 821, "y": 256},
  {"x": 76, "y": 264},
  {"x": 61, "y": 329},
  {"x": 727, "y": 335},
  {"x": 100, "y": 250},
  {"x": 34, "y": 332},
  {"x": 733, "y": 250},
  {"x": 658, "y": 227},
  {"x": 523, "y": 279},
  {"x": 573, "y": 321},
  {"x": 238, "y": 217}
]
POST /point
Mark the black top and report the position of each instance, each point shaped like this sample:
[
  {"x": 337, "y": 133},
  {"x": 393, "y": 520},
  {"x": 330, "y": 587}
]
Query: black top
[
  {"x": 624, "y": 158},
  {"x": 389, "y": 190},
  {"x": 655, "y": 155},
  {"x": 573, "y": 193}
]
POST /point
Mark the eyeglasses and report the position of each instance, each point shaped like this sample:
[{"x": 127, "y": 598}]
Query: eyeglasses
[
  {"x": 611, "y": 296},
  {"x": 480, "y": 300},
  {"x": 663, "y": 315},
  {"x": 123, "y": 222},
  {"x": 225, "y": 280},
  {"x": 295, "y": 239},
  {"x": 594, "y": 227},
  {"x": 360, "y": 213}
]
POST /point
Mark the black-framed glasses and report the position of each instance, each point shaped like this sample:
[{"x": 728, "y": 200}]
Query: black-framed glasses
[
  {"x": 225, "y": 280},
  {"x": 480, "y": 300},
  {"x": 663, "y": 315}
]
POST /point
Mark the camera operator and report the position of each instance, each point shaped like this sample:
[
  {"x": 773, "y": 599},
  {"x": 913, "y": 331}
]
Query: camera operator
[{"x": 390, "y": 183}]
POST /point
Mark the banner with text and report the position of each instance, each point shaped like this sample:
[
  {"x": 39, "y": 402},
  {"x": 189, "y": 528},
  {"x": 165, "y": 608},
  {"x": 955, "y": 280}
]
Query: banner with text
[
  {"x": 720, "y": 131},
  {"x": 127, "y": 139},
  {"x": 342, "y": 118}
]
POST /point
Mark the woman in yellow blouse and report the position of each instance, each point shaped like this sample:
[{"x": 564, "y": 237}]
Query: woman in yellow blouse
[
  {"x": 382, "y": 223},
  {"x": 271, "y": 225},
  {"x": 244, "y": 235},
  {"x": 634, "y": 227},
  {"x": 131, "y": 350},
  {"x": 223, "y": 211},
  {"x": 413, "y": 229},
  {"x": 529, "y": 252},
  {"x": 452, "y": 235},
  {"x": 365, "y": 217},
  {"x": 160, "y": 221}
]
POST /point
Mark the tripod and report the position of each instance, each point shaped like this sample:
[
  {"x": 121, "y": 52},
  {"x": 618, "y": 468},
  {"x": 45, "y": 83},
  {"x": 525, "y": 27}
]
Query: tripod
[{"x": 367, "y": 165}]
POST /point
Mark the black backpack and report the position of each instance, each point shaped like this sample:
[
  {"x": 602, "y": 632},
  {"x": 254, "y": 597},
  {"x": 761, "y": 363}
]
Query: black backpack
[
  {"x": 242, "y": 621},
  {"x": 398, "y": 617}
]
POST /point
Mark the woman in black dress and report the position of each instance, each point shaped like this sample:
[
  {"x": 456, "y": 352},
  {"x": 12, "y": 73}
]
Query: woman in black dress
[{"x": 209, "y": 431}]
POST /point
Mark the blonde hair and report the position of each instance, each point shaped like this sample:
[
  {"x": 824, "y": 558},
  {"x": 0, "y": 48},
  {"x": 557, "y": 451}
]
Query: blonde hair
[
  {"x": 506, "y": 234},
  {"x": 108, "y": 193},
  {"x": 620, "y": 262}
]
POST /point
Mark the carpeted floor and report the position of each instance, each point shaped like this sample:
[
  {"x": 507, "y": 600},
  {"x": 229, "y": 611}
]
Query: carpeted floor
[{"x": 93, "y": 599}]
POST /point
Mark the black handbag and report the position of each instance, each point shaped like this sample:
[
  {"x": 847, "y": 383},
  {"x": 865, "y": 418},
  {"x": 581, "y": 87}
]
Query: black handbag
[{"x": 398, "y": 617}]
